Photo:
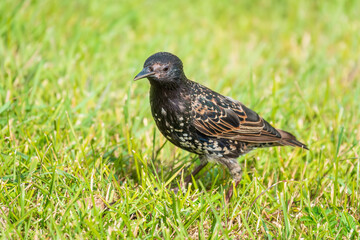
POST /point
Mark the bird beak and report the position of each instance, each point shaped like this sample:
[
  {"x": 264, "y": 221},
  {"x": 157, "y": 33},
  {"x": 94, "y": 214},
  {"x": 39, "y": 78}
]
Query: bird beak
[{"x": 143, "y": 74}]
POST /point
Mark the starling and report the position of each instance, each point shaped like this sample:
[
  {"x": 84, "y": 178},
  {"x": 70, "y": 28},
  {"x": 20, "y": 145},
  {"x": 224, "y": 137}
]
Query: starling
[{"x": 195, "y": 118}]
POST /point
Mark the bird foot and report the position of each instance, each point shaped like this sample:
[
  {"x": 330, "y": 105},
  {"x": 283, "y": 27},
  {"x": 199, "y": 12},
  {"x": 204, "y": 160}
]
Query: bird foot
[
  {"x": 188, "y": 179},
  {"x": 175, "y": 190},
  {"x": 231, "y": 191},
  {"x": 229, "y": 195},
  {"x": 181, "y": 187}
]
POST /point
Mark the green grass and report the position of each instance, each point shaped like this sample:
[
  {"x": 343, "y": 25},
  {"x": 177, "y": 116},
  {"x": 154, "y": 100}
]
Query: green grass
[{"x": 77, "y": 133}]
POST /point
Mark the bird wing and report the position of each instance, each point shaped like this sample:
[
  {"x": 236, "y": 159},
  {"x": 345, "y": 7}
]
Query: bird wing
[{"x": 219, "y": 116}]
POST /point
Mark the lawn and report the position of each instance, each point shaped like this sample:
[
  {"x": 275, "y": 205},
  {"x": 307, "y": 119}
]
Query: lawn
[{"x": 77, "y": 133}]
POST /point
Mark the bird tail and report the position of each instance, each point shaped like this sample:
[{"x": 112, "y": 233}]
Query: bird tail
[{"x": 290, "y": 140}]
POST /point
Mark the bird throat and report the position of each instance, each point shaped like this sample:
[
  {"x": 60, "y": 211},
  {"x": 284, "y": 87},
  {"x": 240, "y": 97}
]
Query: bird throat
[
  {"x": 166, "y": 85},
  {"x": 169, "y": 102},
  {"x": 166, "y": 95}
]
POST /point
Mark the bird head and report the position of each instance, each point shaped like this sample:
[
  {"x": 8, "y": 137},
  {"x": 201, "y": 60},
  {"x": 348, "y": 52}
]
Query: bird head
[{"x": 162, "y": 68}]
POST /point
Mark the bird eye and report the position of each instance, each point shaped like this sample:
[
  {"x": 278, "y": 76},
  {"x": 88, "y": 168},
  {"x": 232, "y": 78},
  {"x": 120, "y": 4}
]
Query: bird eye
[
  {"x": 166, "y": 69},
  {"x": 151, "y": 69}
]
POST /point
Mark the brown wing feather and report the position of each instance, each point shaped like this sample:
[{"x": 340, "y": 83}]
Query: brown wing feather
[
  {"x": 218, "y": 116},
  {"x": 221, "y": 117}
]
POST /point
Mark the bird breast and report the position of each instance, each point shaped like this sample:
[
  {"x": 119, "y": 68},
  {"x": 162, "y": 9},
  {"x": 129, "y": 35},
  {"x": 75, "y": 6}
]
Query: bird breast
[{"x": 171, "y": 112}]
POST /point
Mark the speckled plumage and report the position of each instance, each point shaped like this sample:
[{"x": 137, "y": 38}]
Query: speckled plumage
[{"x": 204, "y": 122}]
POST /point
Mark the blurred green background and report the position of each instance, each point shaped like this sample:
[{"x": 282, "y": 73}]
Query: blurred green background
[{"x": 75, "y": 128}]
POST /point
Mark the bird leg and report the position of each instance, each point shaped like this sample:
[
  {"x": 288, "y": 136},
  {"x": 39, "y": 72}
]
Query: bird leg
[
  {"x": 236, "y": 173},
  {"x": 188, "y": 178},
  {"x": 230, "y": 191}
]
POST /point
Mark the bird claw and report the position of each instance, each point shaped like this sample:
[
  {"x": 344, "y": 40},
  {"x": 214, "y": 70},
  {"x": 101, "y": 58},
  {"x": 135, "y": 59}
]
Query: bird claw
[
  {"x": 231, "y": 191},
  {"x": 229, "y": 195},
  {"x": 175, "y": 190}
]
